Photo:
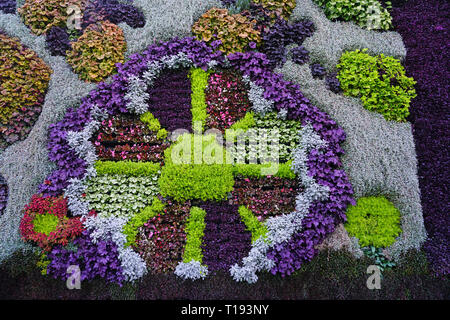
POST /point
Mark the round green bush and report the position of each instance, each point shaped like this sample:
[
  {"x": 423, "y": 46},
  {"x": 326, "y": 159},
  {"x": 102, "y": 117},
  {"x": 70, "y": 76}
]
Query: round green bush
[{"x": 374, "y": 221}]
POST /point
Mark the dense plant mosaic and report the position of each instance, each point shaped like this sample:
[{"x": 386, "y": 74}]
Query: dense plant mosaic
[{"x": 195, "y": 157}]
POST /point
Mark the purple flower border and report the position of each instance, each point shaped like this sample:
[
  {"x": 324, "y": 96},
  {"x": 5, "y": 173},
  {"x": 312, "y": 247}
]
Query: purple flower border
[{"x": 324, "y": 167}]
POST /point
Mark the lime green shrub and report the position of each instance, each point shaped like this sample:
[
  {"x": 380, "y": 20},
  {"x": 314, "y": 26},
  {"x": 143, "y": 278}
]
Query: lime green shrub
[
  {"x": 374, "y": 221},
  {"x": 252, "y": 223},
  {"x": 97, "y": 51},
  {"x": 45, "y": 223},
  {"x": 379, "y": 81},
  {"x": 199, "y": 81},
  {"x": 194, "y": 235}
]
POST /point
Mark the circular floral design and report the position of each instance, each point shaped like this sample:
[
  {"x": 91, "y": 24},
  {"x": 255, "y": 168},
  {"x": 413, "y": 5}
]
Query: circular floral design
[{"x": 260, "y": 240}]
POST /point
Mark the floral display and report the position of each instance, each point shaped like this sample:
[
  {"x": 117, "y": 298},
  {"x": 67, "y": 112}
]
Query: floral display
[{"x": 205, "y": 148}]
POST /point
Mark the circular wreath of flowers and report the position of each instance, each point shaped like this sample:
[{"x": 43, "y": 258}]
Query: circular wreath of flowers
[
  {"x": 291, "y": 239},
  {"x": 65, "y": 230}
]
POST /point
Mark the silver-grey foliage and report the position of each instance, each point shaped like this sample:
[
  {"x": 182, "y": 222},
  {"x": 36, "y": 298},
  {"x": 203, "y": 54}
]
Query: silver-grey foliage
[{"x": 165, "y": 19}]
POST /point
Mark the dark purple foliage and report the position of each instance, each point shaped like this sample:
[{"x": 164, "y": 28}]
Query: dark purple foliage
[
  {"x": 170, "y": 100},
  {"x": 424, "y": 27},
  {"x": 225, "y": 240},
  {"x": 3, "y": 195},
  {"x": 300, "y": 55},
  {"x": 114, "y": 11},
  {"x": 281, "y": 34},
  {"x": 94, "y": 260},
  {"x": 333, "y": 83},
  {"x": 317, "y": 71},
  {"x": 8, "y": 6},
  {"x": 58, "y": 41}
]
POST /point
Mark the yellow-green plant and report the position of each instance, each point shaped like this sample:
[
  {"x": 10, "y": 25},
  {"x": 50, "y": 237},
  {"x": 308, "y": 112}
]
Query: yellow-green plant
[
  {"x": 235, "y": 31},
  {"x": 97, "y": 51}
]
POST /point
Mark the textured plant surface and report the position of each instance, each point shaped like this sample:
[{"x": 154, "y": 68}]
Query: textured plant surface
[
  {"x": 24, "y": 79},
  {"x": 379, "y": 81},
  {"x": 368, "y": 14},
  {"x": 235, "y": 32},
  {"x": 374, "y": 221},
  {"x": 158, "y": 224},
  {"x": 95, "y": 54}
]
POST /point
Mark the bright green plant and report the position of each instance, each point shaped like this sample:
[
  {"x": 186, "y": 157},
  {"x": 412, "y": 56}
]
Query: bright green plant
[
  {"x": 281, "y": 8},
  {"x": 43, "y": 263},
  {"x": 138, "y": 220},
  {"x": 127, "y": 168},
  {"x": 234, "y": 31},
  {"x": 245, "y": 123},
  {"x": 252, "y": 223},
  {"x": 45, "y": 223},
  {"x": 379, "y": 81},
  {"x": 374, "y": 221},
  {"x": 24, "y": 77},
  {"x": 256, "y": 170},
  {"x": 368, "y": 14},
  {"x": 95, "y": 54},
  {"x": 41, "y": 15},
  {"x": 199, "y": 81},
  {"x": 153, "y": 124},
  {"x": 194, "y": 235},
  {"x": 196, "y": 167}
]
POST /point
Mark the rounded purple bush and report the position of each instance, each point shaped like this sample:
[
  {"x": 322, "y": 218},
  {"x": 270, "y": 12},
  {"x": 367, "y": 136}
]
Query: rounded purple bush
[
  {"x": 8, "y": 6},
  {"x": 317, "y": 71},
  {"x": 333, "y": 83},
  {"x": 58, "y": 41}
]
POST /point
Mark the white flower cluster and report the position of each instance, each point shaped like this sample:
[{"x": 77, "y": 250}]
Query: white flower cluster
[
  {"x": 191, "y": 270},
  {"x": 282, "y": 228}
]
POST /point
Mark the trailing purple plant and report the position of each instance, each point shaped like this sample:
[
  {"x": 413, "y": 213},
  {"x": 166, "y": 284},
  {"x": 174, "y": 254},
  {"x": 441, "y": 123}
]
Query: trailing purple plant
[
  {"x": 113, "y": 11},
  {"x": 3, "y": 195},
  {"x": 333, "y": 83},
  {"x": 58, "y": 41},
  {"x": 317, "y": 71},
  {"x": 300, "y": 55},
  {"x": 8, "y": 6},
  {"x": 98, "y": 259}
]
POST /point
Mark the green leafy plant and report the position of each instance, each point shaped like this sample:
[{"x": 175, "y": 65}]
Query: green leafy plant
[
  {"x": 256, "y": 170},
  {"x": 127, "y": 168},
  {"x": 95, "y": 54},
  {"x": 194, "y": 235},
  {"x": 368, "y": 14},
  {"x": 138, "y": 220},
  {"x": 45, "y": 223},
  {"x": 379, "y": 81},
  {"x": 153, "y": 124},
  {"x": 374, "y": 221},
  {"x": 24, "y": 78},
  {"x": 281, "y": 8},
  {"x": 41, "y": 15},
  {"x": 252, "y": 223},
  {"x": 199, "y": 81},
  {"x": 234, "y": 31},
  {"x": 378, "y": 256},
  {"x": 245, "y": 123}
]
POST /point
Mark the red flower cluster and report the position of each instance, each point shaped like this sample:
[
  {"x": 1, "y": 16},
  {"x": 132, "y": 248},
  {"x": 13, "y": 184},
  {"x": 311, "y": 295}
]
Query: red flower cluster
[
  {"x": 127, "y": 138},
  {"x": 266, "y": 196},
  {"x": 162, "y": 239},
  {"x": 66, "y": 230},
  {"x": 226, "y": 99}
]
